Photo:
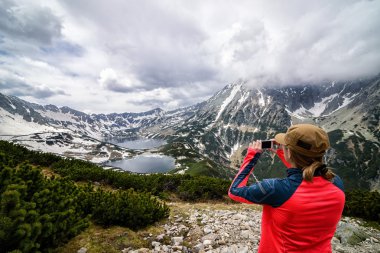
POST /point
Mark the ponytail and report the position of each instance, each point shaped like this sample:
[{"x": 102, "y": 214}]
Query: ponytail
[
  {"x": 308, "y": 172},
  {"x": 310, "y": 165}
]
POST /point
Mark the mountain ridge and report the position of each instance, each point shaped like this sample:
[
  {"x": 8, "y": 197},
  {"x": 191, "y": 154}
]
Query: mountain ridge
[{"x": 221, "y": 127}]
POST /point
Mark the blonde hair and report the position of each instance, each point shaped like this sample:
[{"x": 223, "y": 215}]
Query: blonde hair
[{"x": 309, "y": 165}]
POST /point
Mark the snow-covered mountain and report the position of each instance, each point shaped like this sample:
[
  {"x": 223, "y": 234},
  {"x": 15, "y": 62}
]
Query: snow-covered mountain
[
  {"x": 349, "y": 111},
  {"x": 221, "y": 127},
  {"x": 19, "y": 117},
  {"x": 73, "y": 133}
]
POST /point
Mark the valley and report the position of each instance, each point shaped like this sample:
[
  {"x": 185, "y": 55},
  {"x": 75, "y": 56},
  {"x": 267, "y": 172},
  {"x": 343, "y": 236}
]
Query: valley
[{"x": 211, "y": 138}]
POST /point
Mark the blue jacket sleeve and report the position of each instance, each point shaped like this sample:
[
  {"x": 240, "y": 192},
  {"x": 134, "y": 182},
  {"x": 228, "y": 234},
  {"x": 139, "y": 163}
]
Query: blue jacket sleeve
[
  {"x": 260, "y": 192},
  {"x": 273, "y": 191}
]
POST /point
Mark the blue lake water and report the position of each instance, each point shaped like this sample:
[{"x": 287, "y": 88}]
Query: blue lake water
[{"x": 145, "y": 163}]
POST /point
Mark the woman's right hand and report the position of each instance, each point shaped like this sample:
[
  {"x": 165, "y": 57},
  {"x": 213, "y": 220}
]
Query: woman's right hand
[{"x": 277, "y": 147}]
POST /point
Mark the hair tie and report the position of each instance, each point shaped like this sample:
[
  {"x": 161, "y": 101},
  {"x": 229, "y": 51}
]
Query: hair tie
[{"x": 323, "y": 169}]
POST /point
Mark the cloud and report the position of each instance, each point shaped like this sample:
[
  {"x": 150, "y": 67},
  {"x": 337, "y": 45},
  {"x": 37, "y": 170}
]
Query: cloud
[
  {"x": 176, "y": 53},
  {"x": 160, "y": 46},
  {"x": 110, "y": 80},
  {"x": 17, "y": 87},
  {"x": 25, "y": 21}
]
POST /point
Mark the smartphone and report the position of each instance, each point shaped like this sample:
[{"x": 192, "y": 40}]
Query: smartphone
[{"x": 267, "y": 144}]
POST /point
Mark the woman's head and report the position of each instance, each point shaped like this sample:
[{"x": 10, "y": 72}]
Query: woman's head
[
  {"x": 305, "y": 145},
  {"x": 306, "y": 139}
]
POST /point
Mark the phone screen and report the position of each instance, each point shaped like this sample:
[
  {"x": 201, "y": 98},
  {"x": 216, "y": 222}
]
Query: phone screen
[{"x": 266, "y": 144}]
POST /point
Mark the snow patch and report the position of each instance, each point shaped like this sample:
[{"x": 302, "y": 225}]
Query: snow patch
[
  {"x": 234, "y": 148},
  {"x": 59, "y": 116},
  {"x": 320, "y": 107},
  {"x": 228, "y": 100},
  {"x": 182, "y": 171},
  {"x": 99, "y": 159},
  {"x": 297, "y": 113},
  {"x": 346, "y": 101},
  {"x": 14, "y": 124},
  {"x": 243, "y": 98},
  {"x": 261, "y": 99}
]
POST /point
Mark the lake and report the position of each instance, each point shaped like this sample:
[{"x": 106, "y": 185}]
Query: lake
[{"x": 145, "y": 163}]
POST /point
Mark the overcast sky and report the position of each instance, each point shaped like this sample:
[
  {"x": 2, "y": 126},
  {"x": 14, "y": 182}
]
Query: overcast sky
[{"x": 132, "y": 56}]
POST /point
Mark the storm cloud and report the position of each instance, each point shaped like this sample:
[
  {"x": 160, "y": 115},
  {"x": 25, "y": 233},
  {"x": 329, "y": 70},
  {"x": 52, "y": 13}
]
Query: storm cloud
[
  {"x": 25, "y": 21},
  {"x": 135, "y": 55}
]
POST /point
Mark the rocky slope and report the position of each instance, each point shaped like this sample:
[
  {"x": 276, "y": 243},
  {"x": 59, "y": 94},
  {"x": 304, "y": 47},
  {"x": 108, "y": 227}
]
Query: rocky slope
[{"x": 234, "y": 228}]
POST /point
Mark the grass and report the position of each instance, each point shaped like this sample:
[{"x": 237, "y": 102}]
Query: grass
[
  {"x": 372, "y": 224},
  {"x": 113, "y": 239}
]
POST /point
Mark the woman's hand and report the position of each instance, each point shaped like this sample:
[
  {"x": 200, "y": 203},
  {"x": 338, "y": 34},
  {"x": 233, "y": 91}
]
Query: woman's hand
[
  {"x": 276, "y": 147},
  {"x": 256, "y": 145}
]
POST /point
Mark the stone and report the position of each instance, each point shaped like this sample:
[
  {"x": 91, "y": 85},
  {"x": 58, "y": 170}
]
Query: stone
[
  {"x": 207, "y": 230},
  {"x": 340, "y": 249},
  {"x": 155, "y": 244},
  {"x": 207, "y": 243},
  {"x": 239, "y": 217},
  {"x": 245, "y": 234},
  {"x": 198, "y": 247},
  {"x": 211, "y": 237},
  {"x": 177, "y": 247},
  {"x": 349, "y": 234},
  {"x": 165, "y": 248},
  {"x": 82, "y": 250},
  {"x": 222, "y": 242},
  {"x": 160, "y": 237},
  {"x": 176, "y": 241},
  {"x": 243, "y": 249},
  {"x": 183, "y": 228}
]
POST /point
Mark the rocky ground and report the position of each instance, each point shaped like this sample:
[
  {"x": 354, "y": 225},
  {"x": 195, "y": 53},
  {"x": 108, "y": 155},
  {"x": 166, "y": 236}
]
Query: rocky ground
[{"x": 236, "y": 228}]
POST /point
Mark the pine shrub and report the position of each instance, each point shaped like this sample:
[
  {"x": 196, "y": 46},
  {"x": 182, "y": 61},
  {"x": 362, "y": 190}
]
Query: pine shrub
[
  {"x": 37, "y": 214},
  {"x": 363, "y": 204},
  {"x": 125, "y": 208}
]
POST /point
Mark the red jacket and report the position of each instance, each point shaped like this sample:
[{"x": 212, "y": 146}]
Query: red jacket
[{"x": 298, "y": 216}]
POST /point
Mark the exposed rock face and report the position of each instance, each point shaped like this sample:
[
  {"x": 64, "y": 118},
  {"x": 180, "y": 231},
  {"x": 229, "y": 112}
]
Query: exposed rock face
[
  {"x": 238, "y": 230},
  {"x": 349, "y": 111}
]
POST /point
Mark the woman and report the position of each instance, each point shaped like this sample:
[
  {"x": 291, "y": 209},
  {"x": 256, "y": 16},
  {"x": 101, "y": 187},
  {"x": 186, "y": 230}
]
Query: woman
[{"x": 301, "y": 211}]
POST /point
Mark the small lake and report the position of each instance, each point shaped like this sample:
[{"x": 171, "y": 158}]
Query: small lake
[
  {"x": 145, "y": 163},
  {"x": 138, "y": 144}
]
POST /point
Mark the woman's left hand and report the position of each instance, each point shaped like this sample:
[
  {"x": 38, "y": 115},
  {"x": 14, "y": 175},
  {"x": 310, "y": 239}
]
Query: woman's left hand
[{"x": 256, "y": 145}]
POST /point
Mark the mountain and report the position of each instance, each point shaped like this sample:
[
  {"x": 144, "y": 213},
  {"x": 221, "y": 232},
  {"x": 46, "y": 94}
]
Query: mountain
[
  {"x": 349, "y": 111},
  {"x": 222, "y": 127},
  {"x": 70, "y": 132},
  {"x": 21, "y": 117}
]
